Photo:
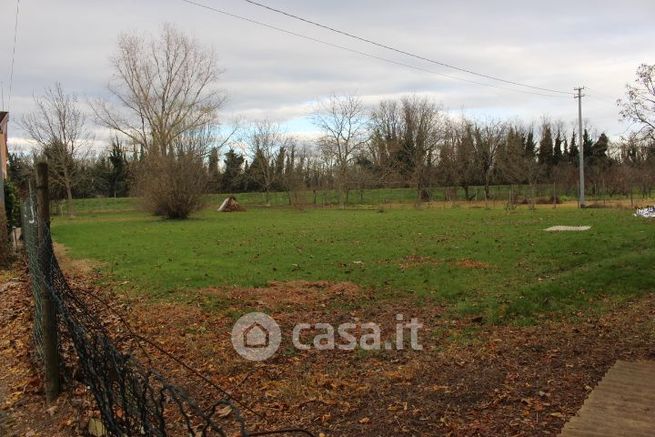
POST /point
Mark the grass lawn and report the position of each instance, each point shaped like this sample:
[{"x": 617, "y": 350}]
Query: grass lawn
[{"x": 476, "y": 261}]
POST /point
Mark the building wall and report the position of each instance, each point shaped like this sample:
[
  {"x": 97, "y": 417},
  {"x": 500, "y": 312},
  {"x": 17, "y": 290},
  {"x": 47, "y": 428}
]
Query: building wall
[
  {"x": 3, "y": 163},
  {"x": 3, "y": 156},
  {"x": 4, "y": 120}
]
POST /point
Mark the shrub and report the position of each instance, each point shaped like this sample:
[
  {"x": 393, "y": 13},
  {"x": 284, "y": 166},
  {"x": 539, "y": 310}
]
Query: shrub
[
  {"x": 172, "y": 185},
  {"x": 12, "y": 205}
]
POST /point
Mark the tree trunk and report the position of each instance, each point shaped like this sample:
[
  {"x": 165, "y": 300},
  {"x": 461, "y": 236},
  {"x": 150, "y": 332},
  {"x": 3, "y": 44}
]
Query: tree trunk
[
  {"x": 69, "y": 196},
  {"x": 554, "y": 195},
  {"x": 510, "y": 199}
]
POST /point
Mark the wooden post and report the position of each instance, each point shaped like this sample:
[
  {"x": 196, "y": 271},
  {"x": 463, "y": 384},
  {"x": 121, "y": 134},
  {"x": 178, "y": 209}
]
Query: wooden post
[{"x": 48, "y": 322}]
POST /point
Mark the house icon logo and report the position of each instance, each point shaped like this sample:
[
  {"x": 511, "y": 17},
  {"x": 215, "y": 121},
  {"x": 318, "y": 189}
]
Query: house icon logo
[{"x": 256, "y": 336}]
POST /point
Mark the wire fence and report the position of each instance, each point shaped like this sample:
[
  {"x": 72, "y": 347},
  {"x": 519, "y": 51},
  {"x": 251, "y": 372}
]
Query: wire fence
[{"x": 133, "y": 398}]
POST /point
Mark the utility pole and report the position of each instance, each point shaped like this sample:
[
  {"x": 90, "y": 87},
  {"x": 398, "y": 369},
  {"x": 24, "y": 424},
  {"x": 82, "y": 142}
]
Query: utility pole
[
  {"x": 581, "y": 147},
  {"x": 48, "y": 322}
]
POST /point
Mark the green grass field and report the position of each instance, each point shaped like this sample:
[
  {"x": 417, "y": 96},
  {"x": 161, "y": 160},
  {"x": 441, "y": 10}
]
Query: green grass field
[{"x": 476, "y": 261}]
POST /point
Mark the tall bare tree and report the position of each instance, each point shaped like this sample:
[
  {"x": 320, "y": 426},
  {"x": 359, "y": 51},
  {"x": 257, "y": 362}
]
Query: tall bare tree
[
  {"x": 466, "y": 164},
  {"x": 163, "y": 86},
  {"x": 266, "y": 141},
  {"x": 342, "y": 120},
  {"x": 58, "y": 127},
  {"x": 165, "y": 99},
  {"x": 386, "y": 129},
  {"x": 488, "y": 139},
  {"x": 423, "y": 130}
]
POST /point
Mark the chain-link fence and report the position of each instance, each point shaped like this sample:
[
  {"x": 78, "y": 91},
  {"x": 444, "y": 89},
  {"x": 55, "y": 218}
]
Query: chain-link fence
[{"x": 133, "y": 398}]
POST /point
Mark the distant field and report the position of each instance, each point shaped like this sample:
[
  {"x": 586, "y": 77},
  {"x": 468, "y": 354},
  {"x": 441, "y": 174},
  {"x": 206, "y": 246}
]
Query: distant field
[
  {"x": 366, "y": 197},
  {"x": 476, "y": 261}
]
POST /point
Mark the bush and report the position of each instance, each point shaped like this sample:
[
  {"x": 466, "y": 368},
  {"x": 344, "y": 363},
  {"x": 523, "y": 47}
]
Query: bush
[
  {"x": 5, "y": 249},
  {"x": 12, "y": 205},
  {"x": 172, "y": 185},
  {"x": 9, "y": 217}
]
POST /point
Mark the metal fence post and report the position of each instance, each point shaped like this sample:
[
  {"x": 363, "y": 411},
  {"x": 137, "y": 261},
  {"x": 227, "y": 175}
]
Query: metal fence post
[{"x": 48, "y": 320}]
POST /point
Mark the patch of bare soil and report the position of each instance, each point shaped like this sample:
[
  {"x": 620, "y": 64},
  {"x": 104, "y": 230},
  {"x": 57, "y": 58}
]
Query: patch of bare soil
[
  {"x": 68, "y": 264},
  {"x": 469, "y": 379},
  {"x": 469, "y": 263},
  {"x": 291, "y": 293},
  {"x": 412, "y": 261}
]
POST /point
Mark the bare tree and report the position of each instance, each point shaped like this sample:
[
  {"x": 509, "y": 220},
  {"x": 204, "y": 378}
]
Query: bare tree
[
  {"x": 58, "y": 127},
  {"x": 517, "y": 164},
  {"x": 488, "y": 140},
  {"x": 266, "y": 141},
  {"x": 343, "y": 123},
  {"x": 448, "y": 175},
  {"x": 296, "y": 171},
  {"x": 386, "y": 131},
  {"x": 466, "y": 165},
  {"x": 639, "y": 104},
  {"x": 423, "y": 130},
  {"x": 164, "y": 87},
  {"x": 168, "y": 104}
]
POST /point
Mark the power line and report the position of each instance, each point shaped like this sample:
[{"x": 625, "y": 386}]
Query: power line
[
  {"x": 13, "y": 55},
  {"x": 404, "y": 52},
  {"x": 358, "y": 52}
]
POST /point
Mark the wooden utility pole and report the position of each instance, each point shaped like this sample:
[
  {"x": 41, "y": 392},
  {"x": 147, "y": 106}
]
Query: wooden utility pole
[
  {"x": 48, "y": 322},
  {"x": 581, "y": 147}
]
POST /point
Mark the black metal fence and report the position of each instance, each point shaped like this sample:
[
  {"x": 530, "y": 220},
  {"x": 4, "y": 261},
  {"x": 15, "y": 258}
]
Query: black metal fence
[{"x": 133, "y": 398}]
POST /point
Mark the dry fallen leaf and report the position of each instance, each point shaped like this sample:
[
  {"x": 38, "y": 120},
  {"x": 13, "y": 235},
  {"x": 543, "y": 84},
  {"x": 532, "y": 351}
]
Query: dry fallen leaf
[{"x": 224, "y": 412}]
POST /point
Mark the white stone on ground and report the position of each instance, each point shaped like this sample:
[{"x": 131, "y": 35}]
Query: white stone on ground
[{"x": 567, "y": 228}]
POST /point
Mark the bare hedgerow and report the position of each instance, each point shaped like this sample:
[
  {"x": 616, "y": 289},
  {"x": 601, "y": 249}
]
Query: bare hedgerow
[{"x": 5, "y": 249}]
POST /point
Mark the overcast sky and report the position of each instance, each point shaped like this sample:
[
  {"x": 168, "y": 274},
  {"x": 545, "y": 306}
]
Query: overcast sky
[{"x": 553, "y": 44}]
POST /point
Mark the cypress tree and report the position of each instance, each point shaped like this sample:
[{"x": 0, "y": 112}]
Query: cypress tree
[
  {"x": 573, "y": 150},
  {"x": 233, "y": 171},
  {"x": 557, "y": 151},
  {"x": 546, "y": 147},
  {"x": 213, "y": 172}
]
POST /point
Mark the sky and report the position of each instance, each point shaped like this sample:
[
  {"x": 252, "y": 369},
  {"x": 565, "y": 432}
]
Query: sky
[{"x": 275, "y": 76}]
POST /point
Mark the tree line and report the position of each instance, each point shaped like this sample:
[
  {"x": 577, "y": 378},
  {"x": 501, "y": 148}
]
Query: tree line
[{"x": 169, "y": 149}]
